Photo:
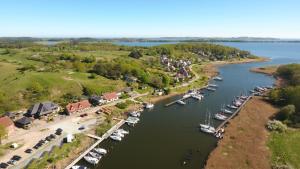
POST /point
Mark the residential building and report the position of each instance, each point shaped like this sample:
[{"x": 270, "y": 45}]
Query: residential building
[
  {"x": 78, "y": 106},
  {"x": 8, "y": 124},
  {"x": 110, "y": 97},
  {"x": 42, "y": 109}
]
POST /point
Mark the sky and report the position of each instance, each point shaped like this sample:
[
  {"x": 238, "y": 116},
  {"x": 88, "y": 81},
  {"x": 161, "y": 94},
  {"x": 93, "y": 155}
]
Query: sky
[{"x": 150, "y": 18}]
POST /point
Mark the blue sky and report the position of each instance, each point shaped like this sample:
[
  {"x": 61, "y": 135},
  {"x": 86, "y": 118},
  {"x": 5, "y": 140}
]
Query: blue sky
[{"x": 150, "y": 18}]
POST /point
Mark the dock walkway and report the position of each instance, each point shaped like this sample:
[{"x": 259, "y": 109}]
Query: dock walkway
[
  {"x": 234, "y": 114},
  {"x": 99, "y": 140}
]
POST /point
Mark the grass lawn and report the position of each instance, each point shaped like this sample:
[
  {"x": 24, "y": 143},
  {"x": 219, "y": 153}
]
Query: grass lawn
[{"x": 285, "y": 148}]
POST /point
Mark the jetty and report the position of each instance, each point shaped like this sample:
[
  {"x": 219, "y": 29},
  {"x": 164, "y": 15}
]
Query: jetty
[
  {"x": 233, "y": 114},
  {"x": 173, "y": 102},
  {"x": 99, "y": 140}
]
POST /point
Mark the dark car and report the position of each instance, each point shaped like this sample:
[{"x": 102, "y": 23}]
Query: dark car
[
  {"x": 48, "y": 138},
  {"x": 53, "y": 136},
  {"x": 81, "y": 128},
  {"x": 3, "y": 165},
  {"x": 11, "y": 162},
  {"x": 58, "y": 131},
  {"x": 16, "y": 158},
  {"x": 28, "y": 151}
]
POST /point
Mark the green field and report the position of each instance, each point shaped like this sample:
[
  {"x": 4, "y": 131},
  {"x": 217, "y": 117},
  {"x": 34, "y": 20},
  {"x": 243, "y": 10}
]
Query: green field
[{"x": 285, "y": 148}]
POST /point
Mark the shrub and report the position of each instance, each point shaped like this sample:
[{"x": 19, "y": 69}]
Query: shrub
[
  {"x": 285, "y": 112},
  {"x": 276, "y": 125}
]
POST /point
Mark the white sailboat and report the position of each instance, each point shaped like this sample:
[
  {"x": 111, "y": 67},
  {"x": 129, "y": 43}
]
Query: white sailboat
[
  {"x": 78, "y": 167},
  {"x": 115, "y": 138},
  {"x": 219, "y": 116},
  {"x": 207, "y": 128},
  {"x": 180, "y": 102},
  {"x": 218, "y": 78}
]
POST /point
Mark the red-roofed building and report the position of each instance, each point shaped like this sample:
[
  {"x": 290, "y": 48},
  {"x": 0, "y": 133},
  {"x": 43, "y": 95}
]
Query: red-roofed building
[
  {"x": 78, "y": 106},
  {"x": 109, "y": 97},
  {"x": 7, "y": 123}
]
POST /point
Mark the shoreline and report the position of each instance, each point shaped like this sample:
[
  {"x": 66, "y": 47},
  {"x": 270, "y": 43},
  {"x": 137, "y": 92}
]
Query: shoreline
[
  {"x": 245, "y": 139},
  {"x": 210, "y": 70}
]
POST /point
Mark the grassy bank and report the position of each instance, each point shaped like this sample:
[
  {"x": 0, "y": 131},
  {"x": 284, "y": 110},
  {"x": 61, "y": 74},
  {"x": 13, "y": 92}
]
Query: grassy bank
[{"x": 285, "y": 148}]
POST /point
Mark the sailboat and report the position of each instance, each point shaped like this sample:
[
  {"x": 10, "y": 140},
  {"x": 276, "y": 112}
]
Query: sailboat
[{"x": 207, "y": 128}]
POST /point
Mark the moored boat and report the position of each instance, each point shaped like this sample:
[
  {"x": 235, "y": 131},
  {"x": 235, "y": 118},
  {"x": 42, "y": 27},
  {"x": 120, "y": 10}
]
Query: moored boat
[
  {"x": 219, "y": 116},
  {"x": 149, "y": 105},
  {"x": 101, "y": 151},
  {"x": 218, "y": 78},
  {"x": 180, "y": 102},
  {"x": 91, "y": 160},
  {"x": 116, "y": 138},
  {"x": 78, "y": 167},
  {"x": 232, "y": 106}
]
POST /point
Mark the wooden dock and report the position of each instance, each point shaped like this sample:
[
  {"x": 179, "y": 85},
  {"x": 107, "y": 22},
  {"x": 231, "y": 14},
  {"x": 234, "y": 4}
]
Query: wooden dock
[
  {"x": 173, "y": 102},
  {"x": 99, "y": 140},
  {"x": 234, "y": 114}
]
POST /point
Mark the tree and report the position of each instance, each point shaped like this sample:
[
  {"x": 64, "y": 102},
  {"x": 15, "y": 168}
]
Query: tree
[
  {"x": 286, "y": 112},
  {"x": 135, "y": 54},
  {"x": 3, "y": 133}
]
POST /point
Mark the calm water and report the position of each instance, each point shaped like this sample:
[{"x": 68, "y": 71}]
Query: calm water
[{"x": 166, "y": 135}]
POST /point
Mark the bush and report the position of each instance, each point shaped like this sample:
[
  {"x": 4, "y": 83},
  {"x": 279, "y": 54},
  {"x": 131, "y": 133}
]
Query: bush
[
  {"x": 122, "y": 105},
  {"x": 285, "y": 113},
  {"x": 276, "y": 125}
]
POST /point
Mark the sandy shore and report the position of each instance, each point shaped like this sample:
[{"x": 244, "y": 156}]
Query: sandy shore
[
  {"x": 270, "y": 70},
  {"x": 244, "y": 143}
]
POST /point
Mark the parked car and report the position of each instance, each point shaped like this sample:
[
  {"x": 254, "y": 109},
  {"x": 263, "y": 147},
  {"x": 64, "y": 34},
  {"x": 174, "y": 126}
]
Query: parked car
[
  {"x": 58, "y": 131},
  {"x": 3, "y": 165},
  {"x": 16, "y": 157},
  {"x": 83, "y": 115},
  {"x": 53, "y": 136},
  {"x": 28, "y": 151},
  {"x": 11, "y": 162},
  {"x": 81, "y": 128}
]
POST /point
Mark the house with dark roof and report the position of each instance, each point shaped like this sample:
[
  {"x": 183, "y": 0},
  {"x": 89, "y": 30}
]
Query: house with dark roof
[
  {"x": 42, "y": 109},
  {"x": 78, "y": 106},
  {"x": 96, "y": 100},
  {"x": 24, "y": 122},
  {"x": 8, "y": 124}
]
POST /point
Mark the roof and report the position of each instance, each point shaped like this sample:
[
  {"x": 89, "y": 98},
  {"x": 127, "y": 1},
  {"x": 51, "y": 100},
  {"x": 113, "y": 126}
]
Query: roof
[
  {"x": 110, "y": 96},
  {"x": 6, "y": 121},
  {"x": 73, "y": 107},
  {"x": 24, "y": 121},
  {"x": 42, "y": 108}
]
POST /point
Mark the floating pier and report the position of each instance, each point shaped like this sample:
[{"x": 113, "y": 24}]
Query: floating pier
[
  {"x": 173, "y": 102},
  {"x": 234, "y": 114},
  {"x": 99, "y": 140}
]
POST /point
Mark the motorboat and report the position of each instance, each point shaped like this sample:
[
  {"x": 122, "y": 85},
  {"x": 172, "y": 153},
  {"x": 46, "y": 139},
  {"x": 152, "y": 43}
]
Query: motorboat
[
  {"x": 123, "y": 131},
  {"x": 187, "y": 95},
  {"x": 218, "y": 78},
  {"x": 115, "y": 133},
  {"x": 232, "y": 106},
  {"x": 135, "y": 114},
  {"x": 198, "y": 96},
  {"x": 212, "y": 85},
  {"x": 91, "y": 160},
  {"x": 101, "y": 151},
  {"x": 95, "y": 155},
  {"x": 116, "y": 138},
  {"x": 78, "y": 167},
  {"x": 219, "y": 116},
  {"x": 180, "y": 102},
  {"x": 149, "y": 105},
  {"x": 211, "y": 89},
  {"x": 226, "y": 111}
]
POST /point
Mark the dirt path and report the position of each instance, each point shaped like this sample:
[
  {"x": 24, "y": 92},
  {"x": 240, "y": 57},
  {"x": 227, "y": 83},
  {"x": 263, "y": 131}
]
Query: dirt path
[{"x": 244, "y": 143}]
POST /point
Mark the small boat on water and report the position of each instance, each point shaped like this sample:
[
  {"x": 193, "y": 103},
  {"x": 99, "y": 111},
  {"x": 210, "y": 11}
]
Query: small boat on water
[
  {"x": 180, "y": 102},
  {"x": 115, "y": 138},
  {"x": 212, "y": 85},
  {"x": 115, "y": 133},
  {"x": 211, "y": 89},
  {"x": 187, "y": 95},
  {"x": 232, "y": 106},
  {"x": 218, "y": 78},
  {"x": 207, "y": 128},
  {"x": 198, "y": 96},
  {"x": 91, "y": 160},
  {"x": 78, "y": 167},
  {"x": 101, "y": 151},
  {"x": 226, "y": 111},
  {"x": 135, "y": 114},
  {"x": 95, "y": 155},
  {"x": 149, "y": 105},
  {"x": 123, "y": 131},
  {"x": 219, "y": 116}
]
